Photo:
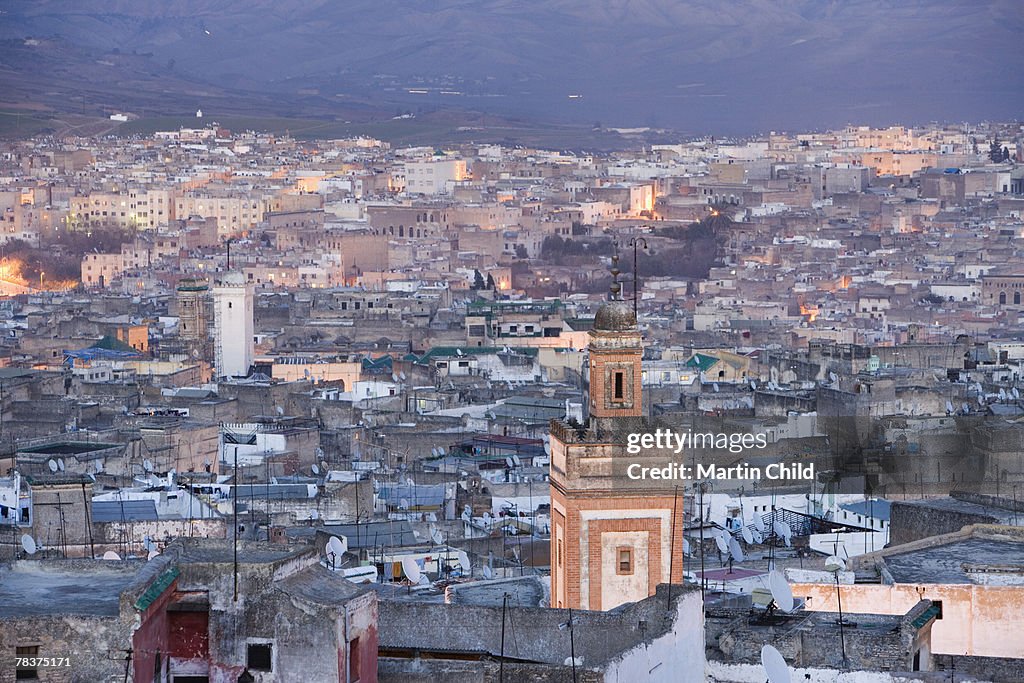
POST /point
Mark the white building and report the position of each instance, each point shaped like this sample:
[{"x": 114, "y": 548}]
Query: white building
[
  {"x": 233, "y": 320},
  {"x": 434, "y": 176}
]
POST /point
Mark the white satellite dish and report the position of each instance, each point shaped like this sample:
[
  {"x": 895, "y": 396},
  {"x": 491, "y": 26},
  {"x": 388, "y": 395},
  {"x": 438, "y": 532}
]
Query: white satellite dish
[
  {"x": 949, "y": 407},
  {"x": 28, "y": 544},
  {"x": 569, "y": 661},
  {"x": 464, "y": 562},
  {"x": 99, "y": 466},
  {"x": 401, "y": 376},
  {"x": 686, "y": 547},
  {"x": 52, "y": 464},
  {"x": 151, "y": 555},
  {"x": 316, "y": 469},
  {"x": 437, "y": 537},
  {"x": 466, "y": 515},
  {"x": 748, "y": 537},
  {"x": 781, "y": 592},
  {"x": 60, "y": 464},
  {"x": 147, "y": 543},
  {"x": 753, "y": 385},
  {"x": 832, "y": 377},
  {"x": 735, "y": 551},
  {"x": 1016, "y": 392},
  {"x": 336, "y": 547},
  {"x": 759, "y": 523},
  {"x": 758, "y": 538},
  {"x": 723, "y": 544},
  {"x": 488, "y": 573},
  {"x": 111, "y": 555},
  {"x": 834, "y": 564},
  {"x": 411, "y": 570},
  {"x": 547, "y": 447},
  {"x": 780, "y": 528},
  {"x": 147, "y": 465},
  {"x": 774, "y": 665}
]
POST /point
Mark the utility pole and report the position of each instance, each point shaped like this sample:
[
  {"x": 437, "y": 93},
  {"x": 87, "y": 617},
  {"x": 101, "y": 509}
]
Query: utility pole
[{"x": 635, "y": 242}]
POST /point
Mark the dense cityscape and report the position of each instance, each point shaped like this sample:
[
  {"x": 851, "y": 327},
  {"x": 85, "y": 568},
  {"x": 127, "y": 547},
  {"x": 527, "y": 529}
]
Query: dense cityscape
[{"x": 343, "y": 410}]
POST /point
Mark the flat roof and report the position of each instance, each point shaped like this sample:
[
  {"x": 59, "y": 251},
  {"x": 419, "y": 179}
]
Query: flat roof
[
  {"x": 949, "y": 563},
  {"x": 84, "y": 587}
]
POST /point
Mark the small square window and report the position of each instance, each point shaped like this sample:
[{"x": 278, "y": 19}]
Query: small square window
[
  {"x": 624, "y": 561},
  {"x": 260, "y": 657}
]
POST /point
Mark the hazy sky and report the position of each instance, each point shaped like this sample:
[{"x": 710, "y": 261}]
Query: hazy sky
[{"x": 697, "y": 66}]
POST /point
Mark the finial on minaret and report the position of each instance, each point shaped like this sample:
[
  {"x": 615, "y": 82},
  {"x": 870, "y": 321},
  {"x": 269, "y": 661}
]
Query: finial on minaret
[{"x": 616, "y": 288}]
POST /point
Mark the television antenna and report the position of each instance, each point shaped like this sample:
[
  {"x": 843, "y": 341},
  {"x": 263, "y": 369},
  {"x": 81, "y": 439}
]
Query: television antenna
[{"x": 835, "y": 564}]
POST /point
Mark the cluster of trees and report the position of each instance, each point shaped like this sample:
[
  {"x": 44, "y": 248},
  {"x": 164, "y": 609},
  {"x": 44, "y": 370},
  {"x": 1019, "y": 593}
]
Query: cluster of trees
[
  {"x": 60, "y": 255},
  {"x": 558, "y": 249},
  {"x": 480, "y": 283},
  {"x": 997, "y": 152}
]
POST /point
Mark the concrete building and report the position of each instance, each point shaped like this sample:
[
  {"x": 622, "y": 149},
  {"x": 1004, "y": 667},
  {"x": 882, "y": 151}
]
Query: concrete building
[{"x": 234, "y": 341}]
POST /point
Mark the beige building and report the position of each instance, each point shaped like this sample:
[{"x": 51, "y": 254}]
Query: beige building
[{"x": 974, "y": 575}]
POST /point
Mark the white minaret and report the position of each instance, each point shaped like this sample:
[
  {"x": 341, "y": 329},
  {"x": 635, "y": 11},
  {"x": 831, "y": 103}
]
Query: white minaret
[{"x": 234, "y": 328}]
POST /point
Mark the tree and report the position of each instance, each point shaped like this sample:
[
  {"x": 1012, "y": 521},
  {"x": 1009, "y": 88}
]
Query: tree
[
  {"x": 490, "y": 282},
  {"x": 1006, "y": 153},
  {"x": 995, "y": 150},
  {"x": 521, "y": 251},
  {"x": 478, "y": 280}
]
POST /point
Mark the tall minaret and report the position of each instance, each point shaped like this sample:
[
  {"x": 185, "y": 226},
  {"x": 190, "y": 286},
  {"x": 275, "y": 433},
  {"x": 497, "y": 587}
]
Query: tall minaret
[
  {"x": 234, "y": 342},
  {"x": 611, "y": 543}
]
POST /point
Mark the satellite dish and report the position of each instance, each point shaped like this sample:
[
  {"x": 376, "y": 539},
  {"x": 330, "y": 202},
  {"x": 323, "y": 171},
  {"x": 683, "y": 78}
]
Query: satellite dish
[
  {"x": 753, "y": 385},
  {"x": 111, "y": 555},
  {"x": 759, "y": 523},
  {"x": 774, "y": 665},
  {"x": 28, "y": 544},
  {"x": 411, "y": 570},
  {"x": 151, "y": 555},
  {"x": 147, "y": 543},
  {"x": 834, "y": 564},
  {"x": 99, "y": 466},
  {"x": 487, "y": 516},
  {"x": 966, "y": 408},
  {"x": 781, "y": 592},
  {"x": 832, "y": 377},
  {"x": 60, "y": 464},
  {"x": 781, "y": 529},
  {"x": 735, "y": 551},
  {"x": 569, "y": 661},
  {"x": 723, "y": 544},
  {"x": 52, "y": 464},
  {"x": 464, "y": 562},
  {"x": 686, "y": 547},
  {"x": 1016, "y": 392},
  {"x": 336, "y": 547},
  {"x": 949, "y": 407},
  {"x": 466, "y": 515},
  {"x": 437, "y": 537},
  {"x": 403, "y": 504},
  {"x": 147, "y": 465},
  {"x": 488, "y": 573},
  {"x": 748, "y": 537},
  {"x": 714, "y": 386},
  {"x": 547, "y": 447},
  {"x": 394, "y": 377},
  {"x": 758, "y": 538},
  {"x": 316, "y": 469}
]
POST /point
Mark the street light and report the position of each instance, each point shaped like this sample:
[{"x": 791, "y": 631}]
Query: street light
[{"x": 41, "y": 274}]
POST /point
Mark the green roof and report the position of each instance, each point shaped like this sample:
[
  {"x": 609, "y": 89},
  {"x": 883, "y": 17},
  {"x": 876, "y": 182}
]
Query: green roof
[
  {"x": 109, "y": 343},
  {"x": 702, "y": 362},
  {"x": 156, "y": 588}
]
